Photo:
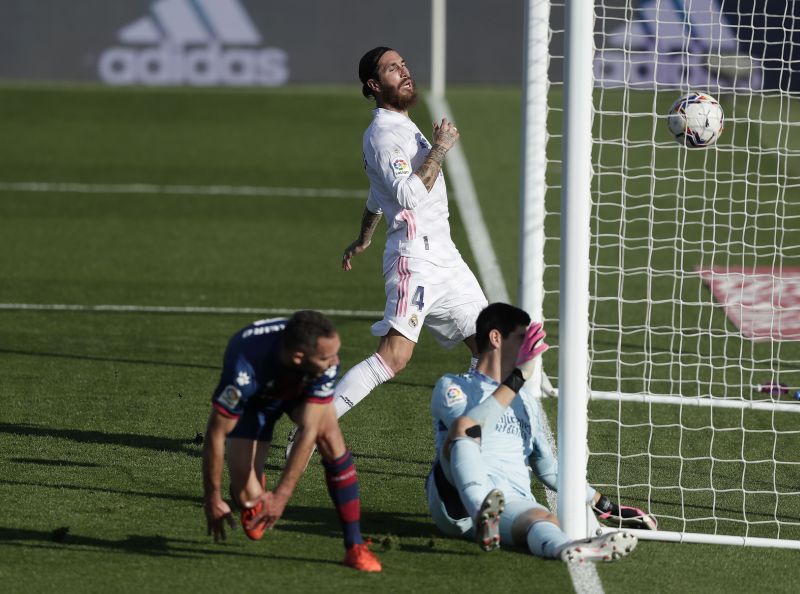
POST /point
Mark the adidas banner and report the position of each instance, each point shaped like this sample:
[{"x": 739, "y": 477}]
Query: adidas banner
[{"x": 276, "y": 42}]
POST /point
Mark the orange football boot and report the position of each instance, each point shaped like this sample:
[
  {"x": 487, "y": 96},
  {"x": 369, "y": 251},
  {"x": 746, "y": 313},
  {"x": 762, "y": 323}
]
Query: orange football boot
[
  {"x": 248, "y": 514},
  {"x": 361, "y": 558}
]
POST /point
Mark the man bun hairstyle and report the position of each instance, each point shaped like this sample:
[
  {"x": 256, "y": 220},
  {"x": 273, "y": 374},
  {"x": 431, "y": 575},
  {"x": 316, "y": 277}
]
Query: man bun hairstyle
[
  {"x": 368, "y": 68},
  {"x": 305, "y": 328},
  {"x": 498, "y": 316}
]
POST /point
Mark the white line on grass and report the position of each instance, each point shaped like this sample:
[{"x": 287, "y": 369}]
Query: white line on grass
[
  {"x": 344, "y": 313},
  {"x": 182, "y": 190}
]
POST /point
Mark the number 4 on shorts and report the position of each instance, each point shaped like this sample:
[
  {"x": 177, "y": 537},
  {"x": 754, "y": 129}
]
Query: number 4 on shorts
[{"x": 418, "y": 298}]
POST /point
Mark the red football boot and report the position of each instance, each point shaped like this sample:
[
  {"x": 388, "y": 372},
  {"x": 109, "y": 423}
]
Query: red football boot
[
  {"x": 361, "y": 558},
  {"x": 248, "y": 514}
]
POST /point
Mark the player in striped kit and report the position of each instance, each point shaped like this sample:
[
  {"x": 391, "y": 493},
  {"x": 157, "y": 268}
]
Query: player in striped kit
[
  {"x": 272, "y": 368},
  {"x": 427, "y": 282}
]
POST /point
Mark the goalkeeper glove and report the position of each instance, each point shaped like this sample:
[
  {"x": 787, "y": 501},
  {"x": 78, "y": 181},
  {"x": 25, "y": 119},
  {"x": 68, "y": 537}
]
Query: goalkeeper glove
[
  {"x": 622, "y": 515},
  {"x": 533, "y": 345}
]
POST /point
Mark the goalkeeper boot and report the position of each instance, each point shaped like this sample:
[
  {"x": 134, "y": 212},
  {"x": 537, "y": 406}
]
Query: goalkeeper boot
[
  {"x": 359, "y": 557},
  {"x": 623, "y": 516},
  {"x": 605, "y": 547},
  {"x": 487, "y": 523}
]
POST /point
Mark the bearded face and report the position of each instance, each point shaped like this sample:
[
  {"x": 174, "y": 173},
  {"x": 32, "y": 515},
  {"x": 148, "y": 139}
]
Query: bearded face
[
  {"x": 401, "y": 96},
  {"x": 397, "y": 88}
]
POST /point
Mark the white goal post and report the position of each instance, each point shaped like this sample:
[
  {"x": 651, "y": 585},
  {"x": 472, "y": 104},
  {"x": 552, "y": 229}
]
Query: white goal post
[{"x": 674, "y": 296}]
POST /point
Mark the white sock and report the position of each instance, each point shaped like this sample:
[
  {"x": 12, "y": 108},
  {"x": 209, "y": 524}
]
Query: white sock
[
  {"x": 359, "y": 381},
  {"x": 469, "y": 474},
  {"x": 546, "y": 540}
]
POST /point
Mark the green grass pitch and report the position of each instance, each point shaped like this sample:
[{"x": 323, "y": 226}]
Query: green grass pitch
[{"x": 99, "y": 465}]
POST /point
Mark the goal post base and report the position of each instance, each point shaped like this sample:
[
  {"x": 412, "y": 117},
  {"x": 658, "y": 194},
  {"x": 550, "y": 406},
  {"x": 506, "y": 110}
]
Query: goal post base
[{"x": 696, "y": 538}]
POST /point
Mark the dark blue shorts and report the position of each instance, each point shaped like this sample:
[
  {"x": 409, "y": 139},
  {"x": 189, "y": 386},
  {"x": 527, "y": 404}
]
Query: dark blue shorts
[{"x": 258, "y": 422}]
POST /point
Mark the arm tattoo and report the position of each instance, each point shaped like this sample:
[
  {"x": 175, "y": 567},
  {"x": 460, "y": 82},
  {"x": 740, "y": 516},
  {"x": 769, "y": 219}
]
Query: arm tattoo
[
  {"x": 430, "y": 168},
  {"x": 369, "y": 222}
]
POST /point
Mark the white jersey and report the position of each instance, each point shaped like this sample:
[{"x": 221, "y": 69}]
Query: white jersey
[{"x": 417, "y": 220}]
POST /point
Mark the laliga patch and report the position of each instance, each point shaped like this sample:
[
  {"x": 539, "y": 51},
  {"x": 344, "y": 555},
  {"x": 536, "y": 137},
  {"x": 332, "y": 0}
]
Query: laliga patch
[
  {"x": 763, "y": 303},
  {"x": 230, "y": 397},
  {"x": 454, "y": 395},
  {"x": 401, "y": 167},
  {"x": 413, "y": 320}
]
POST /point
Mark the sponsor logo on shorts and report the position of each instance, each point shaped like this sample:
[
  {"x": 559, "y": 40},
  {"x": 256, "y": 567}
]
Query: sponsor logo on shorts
[
  {"x": 243, "y": 379},
  {"x": 454, "y": 395},
  {"x": 401, "y": 167},
  {"x": 413, "y": 320},
  {"x": 230, "y": 397}
]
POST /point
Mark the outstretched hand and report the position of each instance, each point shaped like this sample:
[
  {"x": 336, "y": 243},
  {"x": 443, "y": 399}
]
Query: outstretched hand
[
  {"x": 533, "y": 345},
  {"x": 217, "y": 513}
]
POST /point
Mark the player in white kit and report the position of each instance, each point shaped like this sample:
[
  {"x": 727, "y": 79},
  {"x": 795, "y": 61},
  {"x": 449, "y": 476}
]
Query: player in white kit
[
  {"x": 480, "y": 483},
  {"x": 427, "y": 282}
]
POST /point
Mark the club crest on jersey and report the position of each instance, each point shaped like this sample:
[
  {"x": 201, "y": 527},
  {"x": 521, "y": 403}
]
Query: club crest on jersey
[
  {"x": 230, "y": 396},
  {"x": 401, "y": 167},
  {"x": 454, "y": 395},
  {"x": 413, "y": 320}
]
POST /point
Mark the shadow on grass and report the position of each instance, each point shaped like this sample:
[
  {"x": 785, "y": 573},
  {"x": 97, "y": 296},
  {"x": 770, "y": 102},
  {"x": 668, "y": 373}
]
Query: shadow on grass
[
  {"x": 150, "y": 442},
  {"x": 107, "y": 359},
  {"x": 152, "y": 546},
  {"x": 198, "y": 500},
  {"x": 48, "y": 462},
  {"x": 320, "y": 521}
]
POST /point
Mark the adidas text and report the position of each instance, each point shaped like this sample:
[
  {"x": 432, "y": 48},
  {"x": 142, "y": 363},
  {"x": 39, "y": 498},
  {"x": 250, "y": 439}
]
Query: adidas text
[{"x": 211, "y": 65}]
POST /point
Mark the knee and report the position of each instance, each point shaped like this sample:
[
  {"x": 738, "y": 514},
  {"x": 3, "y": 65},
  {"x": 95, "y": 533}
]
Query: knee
[
  {"x": 523, "y": 523},
  {"x": 396, "y": 361},
  {"x": 395, "y": 350},
  {"x": 462, "y": 428},
  {"x": 465, "y": 427},
  {"x": 330, "y": 442}
]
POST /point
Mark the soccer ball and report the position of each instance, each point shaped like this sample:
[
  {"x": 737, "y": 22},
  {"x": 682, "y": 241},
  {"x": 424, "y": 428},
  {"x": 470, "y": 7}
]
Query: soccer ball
[{"x": 696, "y": 120}]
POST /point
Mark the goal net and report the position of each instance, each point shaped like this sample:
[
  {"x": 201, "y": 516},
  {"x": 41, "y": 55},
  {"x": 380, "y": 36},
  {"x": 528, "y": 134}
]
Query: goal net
[{"x": 694, "y": 279}]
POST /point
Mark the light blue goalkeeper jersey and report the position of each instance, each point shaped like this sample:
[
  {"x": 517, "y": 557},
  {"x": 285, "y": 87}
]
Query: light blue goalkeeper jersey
[{"x": 518, "y": 437}]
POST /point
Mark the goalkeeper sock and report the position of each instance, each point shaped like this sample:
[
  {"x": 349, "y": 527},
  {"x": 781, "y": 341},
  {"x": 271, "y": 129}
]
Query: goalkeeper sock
[
  {"x": 359, "y": 382},
  {"x": 468, "y": 474},
  {"x": 546, "y": 540}
]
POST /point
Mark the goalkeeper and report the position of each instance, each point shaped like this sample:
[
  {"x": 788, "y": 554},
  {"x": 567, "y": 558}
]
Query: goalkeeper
[{"x": 480, "y": 483}]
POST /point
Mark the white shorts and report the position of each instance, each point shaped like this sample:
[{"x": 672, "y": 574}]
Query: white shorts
[{"x": 445, "y": 300}]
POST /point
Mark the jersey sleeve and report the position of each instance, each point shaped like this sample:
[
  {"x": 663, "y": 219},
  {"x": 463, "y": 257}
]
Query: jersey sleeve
[
  {"x": 373, "y": 205},
  {"x": 321, "y": 391},
  {"x": 394, "y": 166},
  {"x": 449, "y": 401},
  {"x": 236, "y": 385}
]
